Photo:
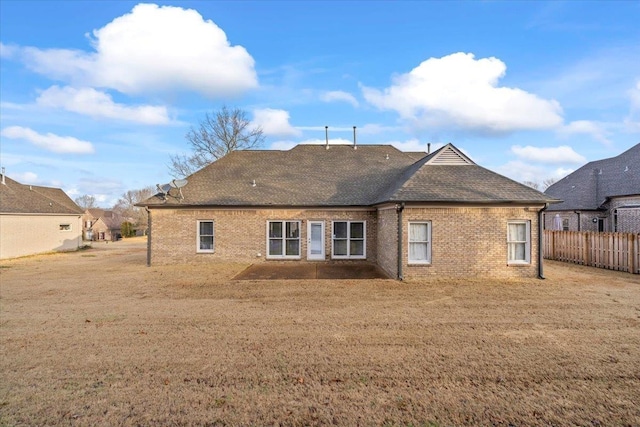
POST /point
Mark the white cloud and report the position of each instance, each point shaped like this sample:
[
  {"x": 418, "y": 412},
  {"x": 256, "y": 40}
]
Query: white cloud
[
  {"x": 561, "y": 173},
  {"x": 332, "y": 141},
  {"x": 634, "y": 94},
  {"x": 632, "y": 121},
  {"x": 286, "y": 145},
  {"x": 331, "y": 128},
  {"x": 7, "y": 51},
  {"x": 283, "y": 145},
  {"x": 586, "y": 127},
  {"x": 458, "y": 91},
  {"x": 415, "y": 145},
  {"x": 26, "y": 178},
  {"x": 274, "y": 122},
  {"x": 372, "y": 129},
  {"x": 562, "y": 154},
  {"x": 153, "y": 48},
  {"x": 338, "y": 95},
  {"x": 522, "y": 171},
  {"x": 49, "y": 141},
  {"x": 91, "y": 102}
]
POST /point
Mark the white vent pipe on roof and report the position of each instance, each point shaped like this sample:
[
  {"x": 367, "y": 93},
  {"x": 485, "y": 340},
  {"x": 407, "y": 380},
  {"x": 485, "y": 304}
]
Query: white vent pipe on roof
[
  {"x": 354, "y": 138},
  {"x": 326, "y": 137}
]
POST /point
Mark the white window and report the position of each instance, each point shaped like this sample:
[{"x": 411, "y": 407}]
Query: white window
[
  {"x": 419, "y": 243},
  {"x": 349, "y": 239},
  {"x": 283, "y": 239},
  {"x": 65, "y": 227},
  {"x": 519, "y": 242},
  {"x": 206, "y": 237}
]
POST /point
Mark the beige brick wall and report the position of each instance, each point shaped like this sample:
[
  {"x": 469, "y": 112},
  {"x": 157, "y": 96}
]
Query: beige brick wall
[
  {"x": 22, "y": 235},
  {"x": 110, "y": 234},
  {"x": 469, "y": 242},
  {"x": 388, "y": 240},
  {"x": 465, "y": 241},
  {"x": 240, "y": 235}
]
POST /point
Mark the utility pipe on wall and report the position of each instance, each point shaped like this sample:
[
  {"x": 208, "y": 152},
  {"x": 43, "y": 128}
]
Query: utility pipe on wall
[
  {"x": 146, "y": 208},
  {"x": 541, "y": 241},
  {"x": 399, "y": 209}
]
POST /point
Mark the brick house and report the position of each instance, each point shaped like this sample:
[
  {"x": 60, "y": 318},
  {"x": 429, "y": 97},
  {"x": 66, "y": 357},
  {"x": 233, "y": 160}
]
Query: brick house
[
  {"x": 603, "y": 195},
  {"x": 413, "y": 214},
  {"x": 35, "y": 219},
  {"x": 101, "y": 225}
]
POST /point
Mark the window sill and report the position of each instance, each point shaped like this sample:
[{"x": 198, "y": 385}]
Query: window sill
[
  {"x": 280, "y": 258},
  {"x": 418, "y": 263},
  {"x": 205, "y": 252},
  {"x": 349, "y": 257},
  {"x": 518, "y": 264}
]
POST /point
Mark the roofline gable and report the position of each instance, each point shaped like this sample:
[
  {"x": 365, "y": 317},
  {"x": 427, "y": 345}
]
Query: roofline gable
[{"x": 449, "y": 155}]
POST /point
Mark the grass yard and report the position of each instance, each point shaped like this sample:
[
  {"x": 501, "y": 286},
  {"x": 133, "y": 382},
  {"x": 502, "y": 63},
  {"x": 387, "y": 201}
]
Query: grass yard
[{"x": 96, "y": 338}]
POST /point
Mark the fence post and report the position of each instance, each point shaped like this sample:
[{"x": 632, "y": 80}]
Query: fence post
[
  {"x": 631, "y": 256},
  {"x": 585, "y": 249}
]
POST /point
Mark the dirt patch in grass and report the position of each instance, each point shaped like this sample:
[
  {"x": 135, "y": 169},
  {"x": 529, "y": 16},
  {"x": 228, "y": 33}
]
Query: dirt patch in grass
[{"x": 106, "y": 340}]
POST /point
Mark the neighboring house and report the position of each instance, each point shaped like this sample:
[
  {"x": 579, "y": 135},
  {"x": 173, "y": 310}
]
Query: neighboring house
[
  {"x": 36, "y": 219},
  {"x": 100, "y": 225},
  {"x": 413, "y": 214},
  {"x": 603, "y": 195}
]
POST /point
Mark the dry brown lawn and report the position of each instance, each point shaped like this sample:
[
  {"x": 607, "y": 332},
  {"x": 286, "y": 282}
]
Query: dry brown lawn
[{"x": 97, "y": 338}]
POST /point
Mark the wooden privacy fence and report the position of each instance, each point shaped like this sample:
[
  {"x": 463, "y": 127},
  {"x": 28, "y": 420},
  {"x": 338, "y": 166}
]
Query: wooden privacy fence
[{"x": 614, "y": 251}]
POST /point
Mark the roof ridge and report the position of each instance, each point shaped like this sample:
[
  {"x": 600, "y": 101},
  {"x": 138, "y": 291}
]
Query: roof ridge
[{"x": 409, "y": 173}]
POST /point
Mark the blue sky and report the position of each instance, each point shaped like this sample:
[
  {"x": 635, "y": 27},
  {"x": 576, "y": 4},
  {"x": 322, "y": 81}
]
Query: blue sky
[{"x": 95, "y": 96}]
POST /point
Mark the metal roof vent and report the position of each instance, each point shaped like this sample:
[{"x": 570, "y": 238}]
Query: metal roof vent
[
  {"x": 326, "y": 137},
  {"x": 354, "y": 138}
]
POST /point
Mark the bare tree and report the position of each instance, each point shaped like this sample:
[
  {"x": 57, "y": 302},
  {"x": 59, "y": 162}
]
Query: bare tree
[
  {"x": 548, "y": 183},
  {"x": 218, "y": 134},
  {"x": 86, "y": 201},
  {"x": 531, "y": 184},
  {"x": 125, "y": 206}
]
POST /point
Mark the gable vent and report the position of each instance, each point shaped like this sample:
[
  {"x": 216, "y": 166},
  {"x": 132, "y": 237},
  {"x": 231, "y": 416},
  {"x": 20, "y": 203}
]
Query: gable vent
[{"x": 450, "y": 156}]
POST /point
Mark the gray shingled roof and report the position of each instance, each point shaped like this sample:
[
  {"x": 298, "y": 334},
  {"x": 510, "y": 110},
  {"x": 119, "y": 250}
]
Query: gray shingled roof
[
  {"x": 20, "y": 198},
  {"x": 112, "y": 222},
  {"x": 589, "y": 187},
  {"x": 311, "y": 175}
]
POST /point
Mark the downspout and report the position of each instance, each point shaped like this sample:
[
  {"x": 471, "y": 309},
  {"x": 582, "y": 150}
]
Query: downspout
[
  {"x": 399, "y": 209},
  {"x": 540, "y": 240},
  {"x": 146, "y": 208}
]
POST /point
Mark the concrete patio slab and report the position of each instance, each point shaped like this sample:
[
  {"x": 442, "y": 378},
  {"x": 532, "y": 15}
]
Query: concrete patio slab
[{"x": 287, "y": 271}]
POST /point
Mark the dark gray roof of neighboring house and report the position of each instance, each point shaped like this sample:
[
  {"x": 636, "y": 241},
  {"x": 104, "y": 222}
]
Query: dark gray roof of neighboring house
[
  {"x": 311, "y": 175},
  {"x": 590, "y": 186},
  {"x": 33, "y": 199}
]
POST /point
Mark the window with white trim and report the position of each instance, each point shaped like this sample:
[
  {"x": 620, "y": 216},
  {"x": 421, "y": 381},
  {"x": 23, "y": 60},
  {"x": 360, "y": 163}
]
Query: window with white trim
[
  {"x": 206, "y": 237},
  {"x": 519, "y": 242},
  {"x": 283, "y": 239},
  {"x": 349, "y": 239},
  {"x": 420, "y": 242}
]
